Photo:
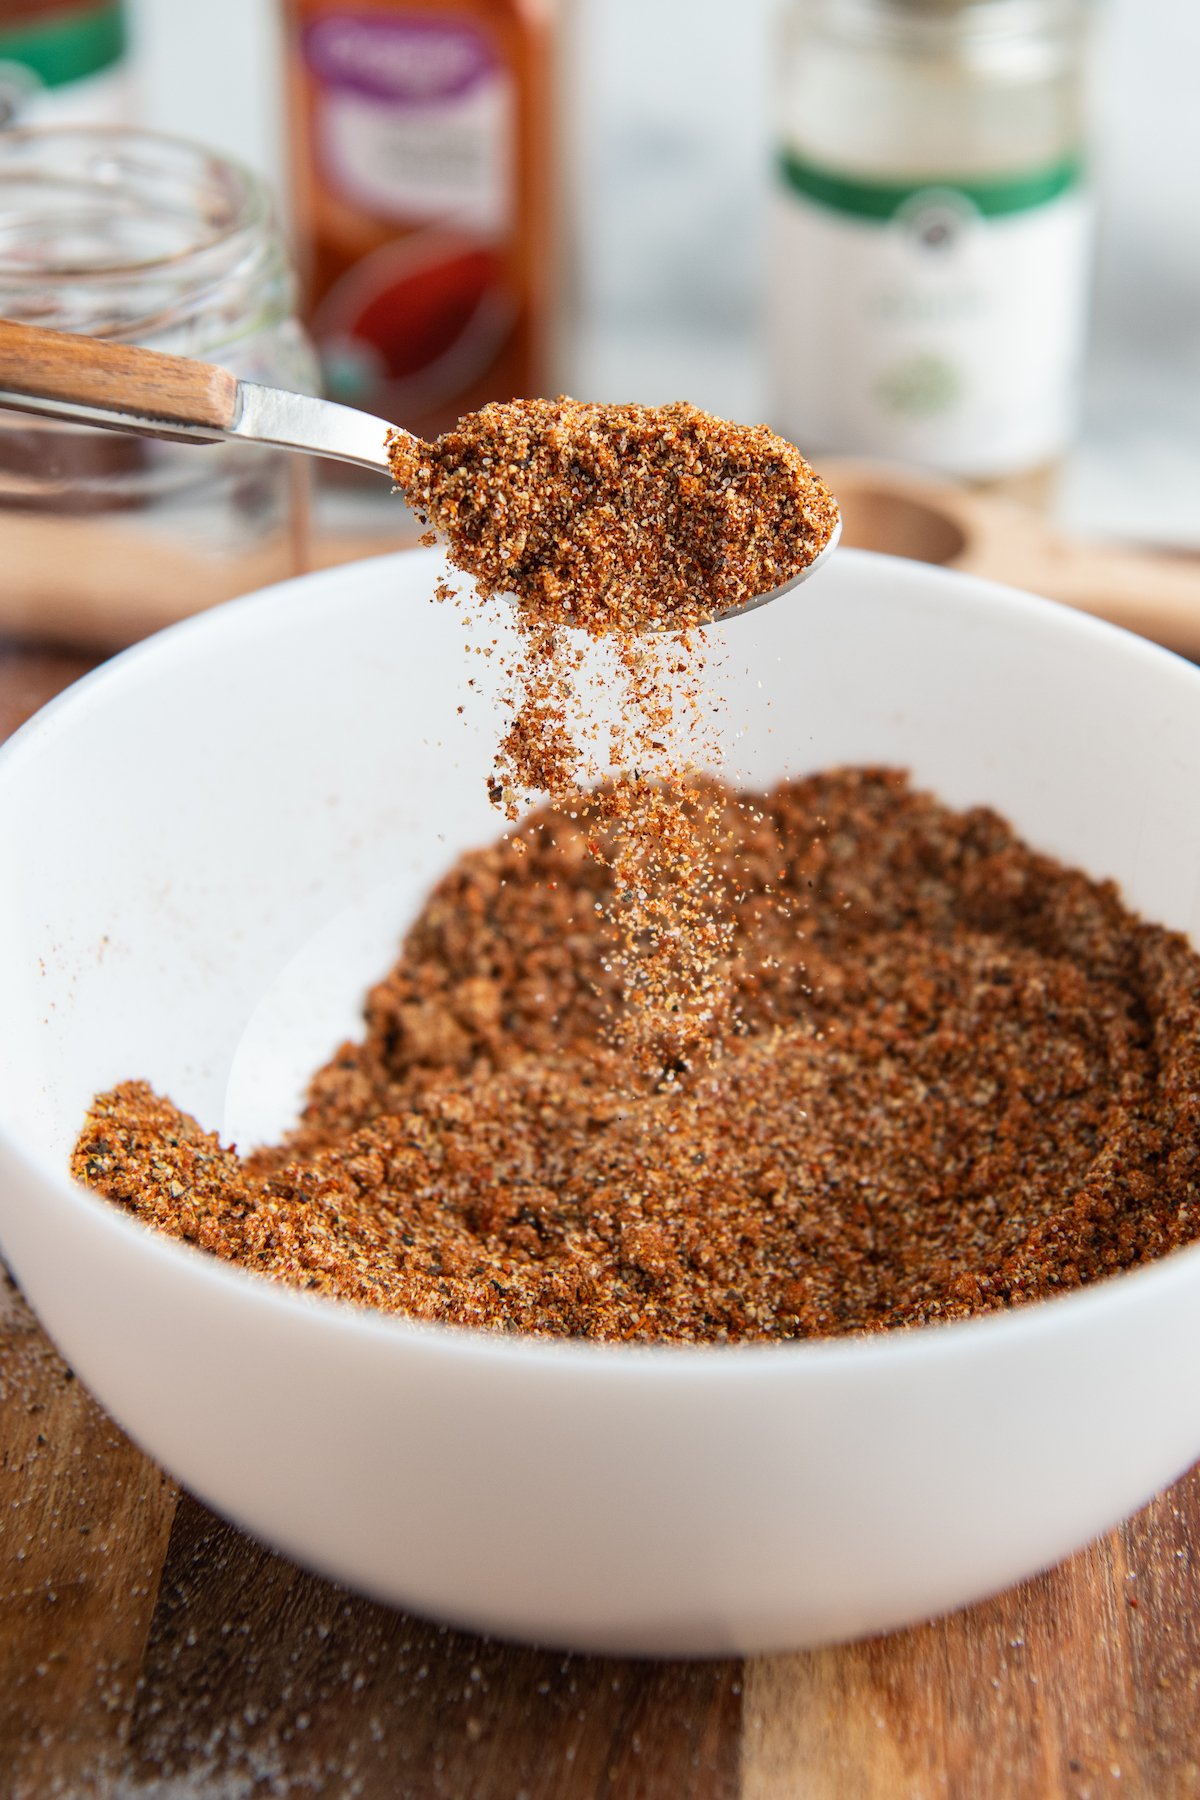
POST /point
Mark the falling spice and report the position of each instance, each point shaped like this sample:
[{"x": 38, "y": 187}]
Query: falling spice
[
  {"x": 963, "y": 1077},
  {"x": 619, "y": 524}
]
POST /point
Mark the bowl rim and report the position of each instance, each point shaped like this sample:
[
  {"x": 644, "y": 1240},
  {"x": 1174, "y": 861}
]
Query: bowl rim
[{"x": 1048, "y": 1317}]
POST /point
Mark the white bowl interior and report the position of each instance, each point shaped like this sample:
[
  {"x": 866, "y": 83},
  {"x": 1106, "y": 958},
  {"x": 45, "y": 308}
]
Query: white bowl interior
[{"x": 215, "y": 843}]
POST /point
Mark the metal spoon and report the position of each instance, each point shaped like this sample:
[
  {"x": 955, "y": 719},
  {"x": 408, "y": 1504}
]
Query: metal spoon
[{"x": 123, "y": 388}]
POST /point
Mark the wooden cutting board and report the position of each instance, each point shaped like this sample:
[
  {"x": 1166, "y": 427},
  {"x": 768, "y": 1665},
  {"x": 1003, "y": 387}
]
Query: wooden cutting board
[{"x": 148, "y": 1651}]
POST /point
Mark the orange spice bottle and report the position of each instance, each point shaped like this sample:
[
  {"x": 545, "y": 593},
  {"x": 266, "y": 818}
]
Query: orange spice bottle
[{"x": 420, "y": 141}]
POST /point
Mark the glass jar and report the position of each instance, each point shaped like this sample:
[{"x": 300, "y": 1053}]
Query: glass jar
[
  {"x": 142, "y": 239},
  {"x": 931, "y": 230}
]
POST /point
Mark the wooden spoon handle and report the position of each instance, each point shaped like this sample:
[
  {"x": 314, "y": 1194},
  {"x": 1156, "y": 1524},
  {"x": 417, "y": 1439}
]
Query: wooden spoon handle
[
  {"x": 80, "y": 378},
  {"x": 1155, "y": 594}
]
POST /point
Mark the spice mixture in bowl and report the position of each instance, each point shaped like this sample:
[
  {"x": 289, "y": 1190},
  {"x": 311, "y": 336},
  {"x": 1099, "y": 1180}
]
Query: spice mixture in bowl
[
  {"x": 681, "y": 1063},
  {"x": 960, "y": 1077},
  {"x": 933, "y": 993}
]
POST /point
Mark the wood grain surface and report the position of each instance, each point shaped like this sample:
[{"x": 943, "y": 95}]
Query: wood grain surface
[
  {"x": 149, "y": 1651},
  {"x": 70, "y": 370}
]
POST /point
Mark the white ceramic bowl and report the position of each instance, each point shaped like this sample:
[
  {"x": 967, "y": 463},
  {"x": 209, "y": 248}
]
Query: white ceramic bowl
[{"x": 267, "y": 790}]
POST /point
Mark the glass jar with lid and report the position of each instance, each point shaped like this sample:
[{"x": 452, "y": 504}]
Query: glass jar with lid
[
  {"x": 931, "y": 230},
  {"x": 142, "y": 239}
]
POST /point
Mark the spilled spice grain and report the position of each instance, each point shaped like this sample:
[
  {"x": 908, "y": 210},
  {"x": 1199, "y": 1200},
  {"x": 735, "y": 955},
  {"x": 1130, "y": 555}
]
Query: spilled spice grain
[
  {"x": 610, "y": 525},
  {"x": 967, "y": 1078}
]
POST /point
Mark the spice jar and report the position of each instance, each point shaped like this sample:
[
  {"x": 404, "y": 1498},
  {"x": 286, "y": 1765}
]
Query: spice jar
[
  {"x": 64, "y": 62},
  {"x": 931, "y": 230},
  {"x": 142, "y": 239},
  {"x": 421, "y": 196}
]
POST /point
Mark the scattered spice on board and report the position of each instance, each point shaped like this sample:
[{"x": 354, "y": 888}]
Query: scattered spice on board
[
  {"x": 965, "y": 1077},
  {"x": 609, "y": 525}
]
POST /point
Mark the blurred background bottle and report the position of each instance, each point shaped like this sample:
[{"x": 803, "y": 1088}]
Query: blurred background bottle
[
  {"x": 420, "y": 175},
  {"x": 931, "y": 232},
  {"x": 64, "y": 62}
]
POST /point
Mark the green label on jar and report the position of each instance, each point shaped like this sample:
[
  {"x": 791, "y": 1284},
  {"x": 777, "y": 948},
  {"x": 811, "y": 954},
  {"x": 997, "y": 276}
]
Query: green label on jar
[
  {"x": 992, "y": 197},
  {"x": 69, "y": 48},
  {"x": 940, "y": 324}
]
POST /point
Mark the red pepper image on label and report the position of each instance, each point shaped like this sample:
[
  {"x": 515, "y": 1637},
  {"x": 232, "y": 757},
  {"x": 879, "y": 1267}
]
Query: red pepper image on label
[{"x": 415, "y": 322}]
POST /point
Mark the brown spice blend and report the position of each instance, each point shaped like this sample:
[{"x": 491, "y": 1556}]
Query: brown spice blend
[
  {"x": 617, "y": 518},
  {"x": 967, "y": 1078}
]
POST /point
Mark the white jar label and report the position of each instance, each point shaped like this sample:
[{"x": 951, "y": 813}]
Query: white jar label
[
  {"x": 939, "y": 324},
  {"x": 415, "y": 118}
]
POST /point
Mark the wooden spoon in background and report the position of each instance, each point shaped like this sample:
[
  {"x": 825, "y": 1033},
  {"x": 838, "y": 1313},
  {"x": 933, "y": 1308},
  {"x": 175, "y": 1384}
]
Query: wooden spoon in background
[{"x": 906, "y": 514}]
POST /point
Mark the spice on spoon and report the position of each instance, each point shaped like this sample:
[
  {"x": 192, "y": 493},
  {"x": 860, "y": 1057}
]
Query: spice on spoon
[
  {"x": 619, "y": 519},
  {"x": 966, "y": 1078}
]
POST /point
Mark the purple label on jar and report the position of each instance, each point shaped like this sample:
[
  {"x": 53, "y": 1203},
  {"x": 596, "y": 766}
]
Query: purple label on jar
[{"x": 410, "y": 61}]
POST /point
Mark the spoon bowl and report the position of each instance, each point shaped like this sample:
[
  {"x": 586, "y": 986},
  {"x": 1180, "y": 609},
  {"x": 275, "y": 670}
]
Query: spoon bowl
[{"x": 786, "y": 587}]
